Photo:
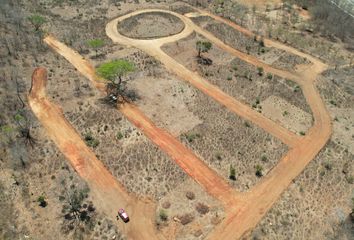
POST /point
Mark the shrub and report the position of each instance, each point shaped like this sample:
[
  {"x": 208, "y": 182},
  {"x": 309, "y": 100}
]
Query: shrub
[
  {"x": 302, "y": 133},
  {"x": 119, "y": 135},
  {"x": 90, "y": 140},
  {"x": 186, "y": 218},
  {"x": 232, "y": 175},
  {"x": 163, "y": 215},
  {"x": 42, "y": 202},
  {"x": 259, "y": 170},
  {"x": 260, "y": 71},
  {"x": 264, "y": 158},
  {"x": 166, "y": 205},
  {"x": 190, "y": 195},
  {"x": 269, "y": 76},
  {"x": 202, "y": 208}
]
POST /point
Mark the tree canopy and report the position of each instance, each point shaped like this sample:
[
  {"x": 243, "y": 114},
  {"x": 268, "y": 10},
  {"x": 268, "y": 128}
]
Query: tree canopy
[
  {"x": 203, "y": 46},
  {"x": 37, "y": 21},
  {"x": 115, "y": 69}
]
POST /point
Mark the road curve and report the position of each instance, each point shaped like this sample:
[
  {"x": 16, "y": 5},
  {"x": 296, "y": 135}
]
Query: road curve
[{"x": 107, "y": 193}]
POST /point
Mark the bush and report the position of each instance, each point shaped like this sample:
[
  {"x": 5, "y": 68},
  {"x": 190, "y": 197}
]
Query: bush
[
  {"x": 260, "y": 71},
  {"x": 202, "y": 208},
  {"x": 259, "y": 170},
  {"x": 42, "y": 202},
  {"x": 232, "y": 175},
  {"x": 90, "y": 140},
  {"x": 163, "y": 215},
  {"x": 166, "y": 205},
  {"x": 186, "y": 218},
  {"x": 190, "y": 195}
]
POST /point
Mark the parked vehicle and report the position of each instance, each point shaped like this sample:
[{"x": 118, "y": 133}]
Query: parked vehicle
[{"x": 123, "y": 215}]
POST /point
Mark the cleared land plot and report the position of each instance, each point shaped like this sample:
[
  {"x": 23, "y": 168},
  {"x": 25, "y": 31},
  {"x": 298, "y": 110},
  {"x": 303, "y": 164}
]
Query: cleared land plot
[
  {"x": 236, "y": 77},
  {"x": 275, "y": 57},
  {"x": 224, "y": 139},
  {"x": 150, "y": 25},
  {"x": 136, "y": 162}
]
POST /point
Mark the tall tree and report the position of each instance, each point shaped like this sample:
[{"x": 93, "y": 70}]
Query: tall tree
[
  {"x": 202, "y": 47},
  {"x": 37, "y": 21},
  {"x": 114, "y": 72}
]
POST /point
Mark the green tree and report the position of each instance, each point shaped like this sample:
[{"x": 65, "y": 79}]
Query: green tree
[
  {"x": 202, "y": 47},
  {"x": 96, "y": 44},
  {"x": 114, "y": 72},
  {"x": 37, "y": 21}
]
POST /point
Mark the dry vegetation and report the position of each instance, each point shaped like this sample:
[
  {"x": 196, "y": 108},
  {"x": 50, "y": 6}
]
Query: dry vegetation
[
  {"x": 150, "y": 26},
  {"x": 316, "y": 206}
]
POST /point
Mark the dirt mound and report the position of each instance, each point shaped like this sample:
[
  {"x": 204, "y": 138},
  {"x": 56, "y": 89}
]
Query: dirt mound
[{"x": 151, "y": 25}]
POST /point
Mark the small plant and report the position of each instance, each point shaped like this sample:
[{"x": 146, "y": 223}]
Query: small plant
[
  {"x": 186, "y": 218},
  {"x": 190, "y": 195},
  {"x": 218, "y": 156},
  {"x": 269, "y": 76},
  {"x": 285, "y": 113},
  {"x": 119, "y": 135},
  {"x": 350, "y": 179},
  {"x": 191, "y": 136},
  {"x": 328, "y": 166},
  {"x": 229, "y": 78},
  {"x": 264, "y": 158},
  {"x": 302, "y": 133},
  {"x": 166, "y": 205},
  {"x": 202, "y": 208},
  {"x": 259, "y": 170},
  {"x": 247, "y": 124},
  {"x": 90, "y": 140},
  {"x": 333, "y": 102},
  {"x": 163, "y": 215},
  {"x": 42, "y": 202},
  {"x": 232, "y": 175},
  {"x": 260, "y": 71}
]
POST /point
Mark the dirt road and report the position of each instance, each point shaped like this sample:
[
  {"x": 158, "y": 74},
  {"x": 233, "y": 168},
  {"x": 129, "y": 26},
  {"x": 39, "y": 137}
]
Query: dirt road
[
  {"x": 245, "y": 210},
  {"x": 108, "y": 195},
  {"x": 184, "y": 157},
  {"x": 153, "y": 48},
  {"x": 245, "y": 214}
]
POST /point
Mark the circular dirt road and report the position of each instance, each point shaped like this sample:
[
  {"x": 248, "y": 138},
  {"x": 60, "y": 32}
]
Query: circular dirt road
[{"x": 151, "y": 25}]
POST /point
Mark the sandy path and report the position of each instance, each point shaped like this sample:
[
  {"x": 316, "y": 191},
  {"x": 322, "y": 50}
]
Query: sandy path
[
  {"x": 245, "y": 214},
  {"x": 183, "y": 156},
  {"x": 106, "y": 192}
]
